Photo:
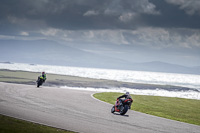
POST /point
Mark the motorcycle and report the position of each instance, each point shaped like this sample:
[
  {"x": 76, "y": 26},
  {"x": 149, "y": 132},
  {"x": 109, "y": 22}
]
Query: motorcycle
[
  {"x": 40, "y": 81},
  {"x": 122, "y": 106}
]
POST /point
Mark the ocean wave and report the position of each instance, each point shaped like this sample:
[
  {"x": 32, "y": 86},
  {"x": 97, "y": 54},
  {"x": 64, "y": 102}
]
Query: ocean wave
[{"x": 190, "y": 94}]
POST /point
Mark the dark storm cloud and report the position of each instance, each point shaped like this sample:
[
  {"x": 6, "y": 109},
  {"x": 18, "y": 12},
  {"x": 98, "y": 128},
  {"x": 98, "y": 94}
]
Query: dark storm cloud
[
  {"x": 191, "y": 7},
  {"x": 75, "y": 14},
  {"x": 114, "y": 14},
  {"x": 96, "y": 14},
  {"x": 174, "y": 16}
]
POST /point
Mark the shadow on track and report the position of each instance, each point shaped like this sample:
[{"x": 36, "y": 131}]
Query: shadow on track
[{"x": 121, "y": 115}]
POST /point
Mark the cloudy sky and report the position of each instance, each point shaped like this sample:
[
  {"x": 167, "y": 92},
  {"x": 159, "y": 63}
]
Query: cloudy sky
[{"x": 136, "y": 30}]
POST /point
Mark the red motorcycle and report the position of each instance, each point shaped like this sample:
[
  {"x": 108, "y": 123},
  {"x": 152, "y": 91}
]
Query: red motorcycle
[{"x": 122, "y": 106}]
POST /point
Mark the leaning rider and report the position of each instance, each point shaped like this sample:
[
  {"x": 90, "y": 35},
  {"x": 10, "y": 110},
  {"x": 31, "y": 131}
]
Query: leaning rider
[
  {"x": 126, "y": 96},
  {"x": 43, "y": 76}
]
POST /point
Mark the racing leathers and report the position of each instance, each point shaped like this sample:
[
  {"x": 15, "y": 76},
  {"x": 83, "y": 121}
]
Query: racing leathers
[{"x": 125, "y": 96}]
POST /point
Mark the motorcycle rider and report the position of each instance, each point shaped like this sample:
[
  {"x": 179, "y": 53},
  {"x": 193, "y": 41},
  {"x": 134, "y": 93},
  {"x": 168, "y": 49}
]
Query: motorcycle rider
[
  {"x": 126, "y": 96},
  {"x": 43, "y": 77}
]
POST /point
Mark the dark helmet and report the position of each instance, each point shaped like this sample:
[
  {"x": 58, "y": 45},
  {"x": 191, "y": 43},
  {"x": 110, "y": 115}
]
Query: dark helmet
[
  {"x": 127, "y": 93},
  {"x": 43, "y": 73}
]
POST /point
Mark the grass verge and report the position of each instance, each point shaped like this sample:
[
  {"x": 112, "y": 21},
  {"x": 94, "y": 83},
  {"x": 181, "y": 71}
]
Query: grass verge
[
  {"x": 184, "y": 110},
  {"x": 12, "y": 125}
]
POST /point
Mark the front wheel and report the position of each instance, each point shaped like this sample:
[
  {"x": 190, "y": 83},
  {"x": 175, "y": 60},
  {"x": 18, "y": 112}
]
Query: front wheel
[
  {"x": 39, "y": 83},
  {"x": 113, "y": 109},
  {"x": 123, "y": 110}
]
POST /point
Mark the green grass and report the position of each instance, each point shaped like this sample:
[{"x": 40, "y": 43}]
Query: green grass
[
  {"x": 180, "y": 109},
  {"x": 12, "y": 125},
  {"x": 24, "y": 77}
]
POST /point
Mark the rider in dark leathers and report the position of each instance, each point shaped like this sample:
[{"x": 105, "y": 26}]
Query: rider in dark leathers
[{"x": 126, "y": 96}]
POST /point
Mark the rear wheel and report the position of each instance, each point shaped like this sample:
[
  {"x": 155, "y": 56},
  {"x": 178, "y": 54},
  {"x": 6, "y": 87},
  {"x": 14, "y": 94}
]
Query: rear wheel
[{"x": 113, "y": 109}]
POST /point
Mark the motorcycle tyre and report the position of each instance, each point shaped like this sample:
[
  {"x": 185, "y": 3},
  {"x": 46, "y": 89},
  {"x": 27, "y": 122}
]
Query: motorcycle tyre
[
  {"x": 39, "y": 83},
  {"x": 113, "y": 109},
  {"x": 124, "y": 110}
]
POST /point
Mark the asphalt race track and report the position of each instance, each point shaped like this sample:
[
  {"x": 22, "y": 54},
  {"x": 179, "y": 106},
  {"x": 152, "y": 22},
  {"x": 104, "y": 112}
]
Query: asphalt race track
[{"x": 78, "y": 111}]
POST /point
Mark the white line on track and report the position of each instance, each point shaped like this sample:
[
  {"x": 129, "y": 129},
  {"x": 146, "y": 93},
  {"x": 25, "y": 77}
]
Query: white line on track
[{"x": 92, "y": 95}]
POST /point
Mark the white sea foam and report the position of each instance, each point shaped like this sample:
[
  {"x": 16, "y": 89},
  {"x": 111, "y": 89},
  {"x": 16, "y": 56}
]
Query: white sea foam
[
  {"x": 157, "y": 92},
  {"x": 184, "y": 80}
]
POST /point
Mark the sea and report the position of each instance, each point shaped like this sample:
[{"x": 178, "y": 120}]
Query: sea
[{"x": 144, "y": 77}]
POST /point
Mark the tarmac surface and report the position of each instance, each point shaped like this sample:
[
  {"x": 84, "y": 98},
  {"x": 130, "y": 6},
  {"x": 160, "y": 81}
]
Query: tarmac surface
[{"x": 77, "y": 110}]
